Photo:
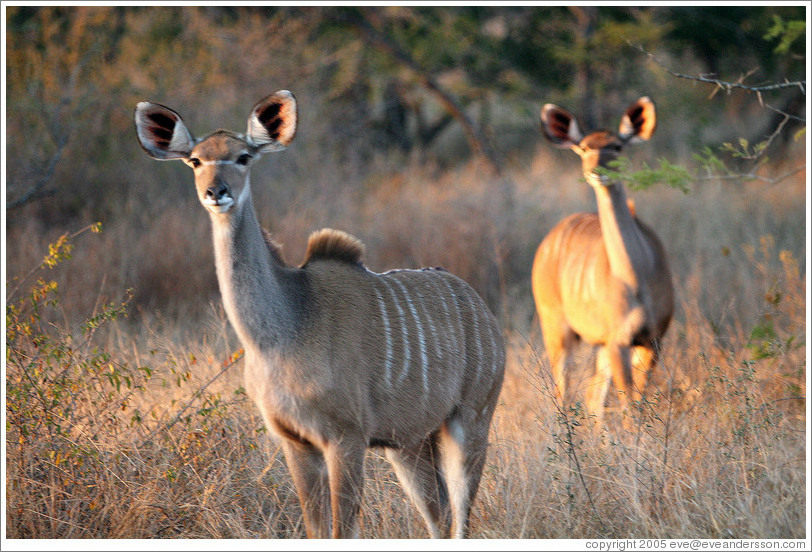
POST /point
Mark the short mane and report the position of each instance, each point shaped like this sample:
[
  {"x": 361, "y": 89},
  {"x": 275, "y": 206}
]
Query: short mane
[{"x": 335, "y": 245}]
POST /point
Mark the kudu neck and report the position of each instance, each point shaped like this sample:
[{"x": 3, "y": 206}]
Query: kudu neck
[
  {"x": 255, "y": 284},
  {"x": 628, "y": 251}
]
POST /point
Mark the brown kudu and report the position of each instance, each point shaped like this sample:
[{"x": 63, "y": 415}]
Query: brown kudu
[
  {"x": 603, "y": 278},
  {"x": 337, "y": 357}
]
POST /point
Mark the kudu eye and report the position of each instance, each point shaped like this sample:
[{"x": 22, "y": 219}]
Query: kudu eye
[
  {"x": 244, "y": 159},
  {"x": 194, "y": 162}
]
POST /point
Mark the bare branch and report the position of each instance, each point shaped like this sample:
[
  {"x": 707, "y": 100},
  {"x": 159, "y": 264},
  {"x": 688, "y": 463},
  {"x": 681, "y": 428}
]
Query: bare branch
[
  {"x": 36, "y": 189},
  {"x": 751, "y": 176},
  {"x": 60, "y": 128},
  {"x": 766, "y": 143},
  {"x": 476, "y": 138},
  {"x": 729, "y": 86}
]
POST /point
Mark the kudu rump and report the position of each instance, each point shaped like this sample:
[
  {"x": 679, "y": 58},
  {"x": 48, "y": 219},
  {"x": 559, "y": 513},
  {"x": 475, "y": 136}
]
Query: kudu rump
[
  {"x": 603, "y": 277},
  {"x": 339, "y": 358}
]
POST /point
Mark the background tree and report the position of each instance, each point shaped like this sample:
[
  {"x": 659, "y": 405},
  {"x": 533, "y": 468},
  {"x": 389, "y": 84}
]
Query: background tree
[{"x": 380, "y": 88}]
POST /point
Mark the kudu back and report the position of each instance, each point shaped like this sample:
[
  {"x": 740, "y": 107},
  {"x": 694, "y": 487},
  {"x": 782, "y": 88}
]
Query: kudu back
[
  {"x": 337, "y": 357},
  {"x": 603, "y": 277}
]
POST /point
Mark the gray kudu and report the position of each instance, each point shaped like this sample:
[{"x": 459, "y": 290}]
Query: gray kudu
[
  {"x": 603, "y": 277},
  {"x": 339, "y": 358}
]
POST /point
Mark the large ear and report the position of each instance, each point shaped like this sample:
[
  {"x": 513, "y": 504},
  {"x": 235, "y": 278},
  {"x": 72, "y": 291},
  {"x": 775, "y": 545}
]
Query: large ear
[
  {"x": 639, "y": 121},
  {"x": 272, "y": 123},
  {"x": 560, "y": 126},
  {"x": 161, "y": 132}
]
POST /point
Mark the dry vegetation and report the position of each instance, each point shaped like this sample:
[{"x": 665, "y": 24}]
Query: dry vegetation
[
  {"x": 134, "y": 429},
  {"x": 125, "y": 411}
]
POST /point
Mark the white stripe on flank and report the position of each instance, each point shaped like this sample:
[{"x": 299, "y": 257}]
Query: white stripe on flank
[
  {"x": 460, "y": 338},
  {"x": 432, "y": 349},
  {"x": 456, "y": 326},
  {"x": 420, "y": 335},
  {"x": 387, "y": 331},
  {"x": 447, "y": 348},
  {"x": 477, "y": 339},
  {"x": 404, "y": 331},
  {"x": 494, "y": 341},
  {"x": 436, "y": 350}
]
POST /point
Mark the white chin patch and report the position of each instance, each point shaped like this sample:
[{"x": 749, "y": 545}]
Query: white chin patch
[
  {"x": 218, "y": 206},
  {"x": 599, "y": 180}
]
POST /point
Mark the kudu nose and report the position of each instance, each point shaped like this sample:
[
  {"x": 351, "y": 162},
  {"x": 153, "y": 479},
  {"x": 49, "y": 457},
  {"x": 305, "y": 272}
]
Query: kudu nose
[
  {"x": 217, "y": 197},
  {"x": 217, "y": 192}
]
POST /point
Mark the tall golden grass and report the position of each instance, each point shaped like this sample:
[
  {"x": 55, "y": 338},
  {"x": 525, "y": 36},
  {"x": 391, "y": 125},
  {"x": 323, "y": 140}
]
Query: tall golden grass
[{"x": 139, "y": 427}]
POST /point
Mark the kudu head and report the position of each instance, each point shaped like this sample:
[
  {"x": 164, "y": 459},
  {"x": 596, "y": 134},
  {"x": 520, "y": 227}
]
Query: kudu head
[
  {"x": 221, "y": 160},
  {"x": 598, "y": 148}
]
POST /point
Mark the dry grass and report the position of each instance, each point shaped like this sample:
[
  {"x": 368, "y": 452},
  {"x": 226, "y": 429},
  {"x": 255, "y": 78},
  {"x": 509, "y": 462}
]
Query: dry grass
[{"x": 181, "y": 452}]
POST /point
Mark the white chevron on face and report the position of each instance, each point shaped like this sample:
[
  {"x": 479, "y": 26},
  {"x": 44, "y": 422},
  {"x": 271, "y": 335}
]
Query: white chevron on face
[{"x": 339, "y": 358}]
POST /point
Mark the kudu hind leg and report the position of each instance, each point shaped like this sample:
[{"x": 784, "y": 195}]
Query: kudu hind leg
[
  {"x": 462, "y": 448},
  {"x": 418, "y": 471}
]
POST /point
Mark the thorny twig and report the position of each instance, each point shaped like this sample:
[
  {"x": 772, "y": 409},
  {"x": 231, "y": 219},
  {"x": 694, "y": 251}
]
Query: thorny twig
[
  {"x": 751, "y": 176},
  {"x": 720, "y": 85},
  {"x": 197, "y": 394},
  {"x": 729, "y": 86}
]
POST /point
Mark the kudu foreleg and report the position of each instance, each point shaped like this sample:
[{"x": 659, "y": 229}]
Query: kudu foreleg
[
  {"x": 613, "y": 364},
  {"x": 643, "y": 359},
  {"x": 619, "y": 359},
  {"x": 345, "y": 465},
  {"x": 558, "y": 340},
  {"x": 309, "y": 472},
  {"x": 595, "y": 393}
]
